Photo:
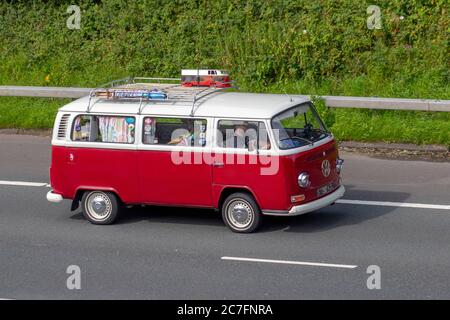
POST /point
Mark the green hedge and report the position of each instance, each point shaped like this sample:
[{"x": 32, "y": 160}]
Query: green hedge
[
  {"x": 261, "y": 43},
  {"x": 295, "y": 46}
]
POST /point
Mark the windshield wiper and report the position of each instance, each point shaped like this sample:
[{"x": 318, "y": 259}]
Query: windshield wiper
[{"x": 309, "y": 141}]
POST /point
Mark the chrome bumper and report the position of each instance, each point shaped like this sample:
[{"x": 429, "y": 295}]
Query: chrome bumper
[
  {"x": 310, "y": 206},
  {"x": 54, "y": 197}
]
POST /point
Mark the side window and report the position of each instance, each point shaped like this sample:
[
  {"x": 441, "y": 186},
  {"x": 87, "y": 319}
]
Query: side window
[
  {"x": 108, "y": 129},
  {"x": 242, "y": 135},
  {"x": 174, "y": 131},
  {"x": 81, "y": 130}
]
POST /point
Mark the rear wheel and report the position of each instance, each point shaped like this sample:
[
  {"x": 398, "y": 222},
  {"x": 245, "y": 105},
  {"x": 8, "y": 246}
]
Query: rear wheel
[
  {"x": 100, "y": 207},
  {"x": 241, "y": 213}
]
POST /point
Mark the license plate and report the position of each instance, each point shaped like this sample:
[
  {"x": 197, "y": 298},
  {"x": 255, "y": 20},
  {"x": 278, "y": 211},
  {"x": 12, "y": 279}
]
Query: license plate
[{"x": 325, "y": 189}]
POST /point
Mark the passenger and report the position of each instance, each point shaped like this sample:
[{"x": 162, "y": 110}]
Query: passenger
[
  {"x": 182, "y": 140},
  {"x": 238, "y": 139},
  {"x": 187, "y": 136}
]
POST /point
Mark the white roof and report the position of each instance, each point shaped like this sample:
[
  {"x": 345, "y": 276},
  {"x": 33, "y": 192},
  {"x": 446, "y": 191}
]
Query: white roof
[{"x": 219, "y": 104}]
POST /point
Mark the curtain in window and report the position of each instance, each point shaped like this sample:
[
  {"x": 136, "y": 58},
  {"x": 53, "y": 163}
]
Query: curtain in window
[{"x": 114, "y": 129}]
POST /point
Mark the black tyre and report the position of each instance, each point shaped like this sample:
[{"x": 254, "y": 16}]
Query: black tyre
[
  {"x": 100, "y": 207},
  {"x": 241, "y": 213}
]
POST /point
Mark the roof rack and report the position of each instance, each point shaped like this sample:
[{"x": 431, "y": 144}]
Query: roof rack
[{"x": 154, "y": 90}]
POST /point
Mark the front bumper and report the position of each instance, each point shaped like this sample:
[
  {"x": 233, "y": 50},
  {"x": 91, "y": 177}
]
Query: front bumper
[
  {"x": 310, "y": 206},
  {"x": 54, "y": 197}
]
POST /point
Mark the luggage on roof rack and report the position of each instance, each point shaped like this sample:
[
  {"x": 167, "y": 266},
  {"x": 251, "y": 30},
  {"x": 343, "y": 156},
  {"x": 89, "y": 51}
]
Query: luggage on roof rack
[
  {"x": 154, "y": 90},
  {"x": 205, "y": 78},
  {"x": 130, "y": 93}
]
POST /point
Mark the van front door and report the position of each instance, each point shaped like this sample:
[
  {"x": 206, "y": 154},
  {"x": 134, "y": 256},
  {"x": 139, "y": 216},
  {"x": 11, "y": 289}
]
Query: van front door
[
  {"x": 242, "y": 160},
  {"x": 171, "y": 168}
]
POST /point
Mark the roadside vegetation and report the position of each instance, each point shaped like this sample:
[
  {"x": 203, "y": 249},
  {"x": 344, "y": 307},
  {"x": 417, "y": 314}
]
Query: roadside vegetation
[{"x": 294, "y": 46}]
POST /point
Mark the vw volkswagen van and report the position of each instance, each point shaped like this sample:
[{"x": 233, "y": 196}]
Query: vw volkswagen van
[{"x": 245, "y": 155}]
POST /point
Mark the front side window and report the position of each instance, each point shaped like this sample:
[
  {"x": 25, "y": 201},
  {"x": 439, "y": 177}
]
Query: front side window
[
  {"x": 108, "y": 129},
  {"x": 174, "y": 131},
  {"x": 298, "y": 126},
  {"x": 239, "y": 134}
]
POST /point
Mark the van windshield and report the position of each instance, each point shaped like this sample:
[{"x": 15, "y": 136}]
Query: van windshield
[{"x": 298, "y": 126}]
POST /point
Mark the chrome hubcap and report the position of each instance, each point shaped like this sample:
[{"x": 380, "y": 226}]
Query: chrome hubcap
[
  {"x": 99, "y": 206},
  {"x": 240, "y": 214}
]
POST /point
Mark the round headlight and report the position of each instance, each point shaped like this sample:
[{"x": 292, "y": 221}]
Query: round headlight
[{"x": 303, "y": 180}]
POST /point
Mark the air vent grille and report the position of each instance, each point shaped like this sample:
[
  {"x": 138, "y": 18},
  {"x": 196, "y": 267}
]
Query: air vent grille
[{"x": 63, "y": 126}]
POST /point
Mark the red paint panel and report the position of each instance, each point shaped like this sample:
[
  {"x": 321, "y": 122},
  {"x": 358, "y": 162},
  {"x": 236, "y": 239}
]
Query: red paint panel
[
  {"x": 261, "y": 175},
  {"x": 99, "y": 169},
  {"x": 163, "y": 180},
  {"x": 311, "y": 162},
  {"x": 59, "y": 172},
  {"x": 154, "y": 177},
  {"x": 274, "y": 191}
]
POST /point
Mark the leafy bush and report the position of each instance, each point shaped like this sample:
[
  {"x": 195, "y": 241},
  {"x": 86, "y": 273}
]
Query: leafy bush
[
  {"x": 295, "y": 46},
  {"x": 260, "y": 42}
]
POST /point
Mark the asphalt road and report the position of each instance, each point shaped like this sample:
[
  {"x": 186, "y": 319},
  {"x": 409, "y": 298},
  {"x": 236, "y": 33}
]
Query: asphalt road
[{"x": 174, "y": 253}]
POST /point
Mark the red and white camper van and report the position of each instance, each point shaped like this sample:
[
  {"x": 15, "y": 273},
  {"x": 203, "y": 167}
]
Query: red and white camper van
[{"x": 243, "y": 154}]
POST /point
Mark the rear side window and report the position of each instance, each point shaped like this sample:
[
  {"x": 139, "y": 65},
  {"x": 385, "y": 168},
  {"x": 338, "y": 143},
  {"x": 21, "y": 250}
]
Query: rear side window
[
  {"x": 108, "y": 129},
  {"x": 174, "y": 131}
]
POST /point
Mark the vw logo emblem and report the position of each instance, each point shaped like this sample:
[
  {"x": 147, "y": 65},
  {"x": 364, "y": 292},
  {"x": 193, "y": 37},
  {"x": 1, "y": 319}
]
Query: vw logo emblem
[{"x": 326, "y": 168}]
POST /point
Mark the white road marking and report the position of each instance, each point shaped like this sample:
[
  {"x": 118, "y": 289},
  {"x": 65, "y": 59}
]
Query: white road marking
[
  {"x": 342, "y": 201},
  {"x": 24, "y": 183},
  {"x": 395, "y": 204},
  {"x": 316, "y": 264}
]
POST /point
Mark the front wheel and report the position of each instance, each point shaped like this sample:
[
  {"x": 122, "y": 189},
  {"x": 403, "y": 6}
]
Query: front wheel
[
  {"x": 100, "y": 207},
  {"x": 241, "y": 213}
]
